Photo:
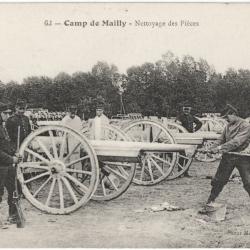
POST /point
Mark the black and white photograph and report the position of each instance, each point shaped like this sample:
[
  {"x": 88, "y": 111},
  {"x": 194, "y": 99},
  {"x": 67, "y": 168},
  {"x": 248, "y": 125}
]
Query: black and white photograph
[{"x": 124, "y": 125}]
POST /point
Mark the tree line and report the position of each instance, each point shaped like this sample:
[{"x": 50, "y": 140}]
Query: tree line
[{"x": 160, "y": 88}]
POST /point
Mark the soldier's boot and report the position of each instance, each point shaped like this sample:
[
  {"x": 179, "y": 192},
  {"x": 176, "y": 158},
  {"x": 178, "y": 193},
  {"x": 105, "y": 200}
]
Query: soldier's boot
[{"x": 12, "y": 218}]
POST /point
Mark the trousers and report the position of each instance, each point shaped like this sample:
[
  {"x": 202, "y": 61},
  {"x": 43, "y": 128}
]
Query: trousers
[
  {"x": 224, "y": 171},
  {"x": 7, "y": 180}
]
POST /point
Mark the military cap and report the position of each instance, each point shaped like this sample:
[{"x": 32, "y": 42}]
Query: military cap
[
  {"x": 186, "y": 108},
  {"x": 21, "y": 103},
  {"x": 229, "y": 110},
  {"x": 100, "y": 106}
]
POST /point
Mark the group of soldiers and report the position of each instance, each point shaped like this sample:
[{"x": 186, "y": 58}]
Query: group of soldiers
[{"x": 235, "y": 138}]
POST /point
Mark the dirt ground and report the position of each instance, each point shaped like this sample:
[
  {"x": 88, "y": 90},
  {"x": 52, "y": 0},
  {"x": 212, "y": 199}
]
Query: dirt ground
[{"x": 127, "y": 222}]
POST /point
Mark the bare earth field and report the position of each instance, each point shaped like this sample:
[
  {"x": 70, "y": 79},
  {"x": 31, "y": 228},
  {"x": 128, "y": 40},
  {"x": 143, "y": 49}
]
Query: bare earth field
[{"x": 126, "y": 222}]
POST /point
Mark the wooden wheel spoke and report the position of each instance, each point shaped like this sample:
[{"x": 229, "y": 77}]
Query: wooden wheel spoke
[
  {"x": 41, "y": 187},
  {"x": 160, "y": 159},
  {"x": 150, "y": 170},
  {"x": 68, "y": 186},
  {"x": 132, "y": 137},
  {"x": 103, "y": 188},
  {"x": 113, "y": 184},
  {"x": 142, "y": 171},
  {"x": 44, "y": 148},
  {"x": 71, "y": 170},
  {"x": 205, "y": 157},
  {"x": 123, "y": 171},
  {"x": 183, "y": 156},
  {"x": 60, "y": 188},
  {"x": 182, "y": 167},
  {"x": 53, "y": 144},
  {"x": 77, "y": 160},
  {"x": 72, "y": 151},
  {"x": 157, "y": 166},
  {"x": 157, "y": 136},
  {"x": 85, "y": 189},
  {"x": 63, "y": 144},
  {"x": 115, "y": 172},
  {"x": 38, "y": 156},
  {"x": 36, "y": 177},
  {"x": 35, "y": 165},
  {"x": 113, "y": 136},
  {"x": 50, "y": 192}
]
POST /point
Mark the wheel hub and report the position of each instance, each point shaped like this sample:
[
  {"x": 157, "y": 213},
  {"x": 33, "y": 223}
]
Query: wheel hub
[{"x": 57, "y": 167}]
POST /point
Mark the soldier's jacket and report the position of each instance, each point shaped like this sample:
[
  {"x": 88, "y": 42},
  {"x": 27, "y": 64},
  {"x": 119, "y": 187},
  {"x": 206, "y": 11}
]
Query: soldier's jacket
[
  {"x": 12, "y": 127},
  {"x": 6, "y": 148},
  {"x": 188, "y": 121},
  {"x": 235, "y": 137}
]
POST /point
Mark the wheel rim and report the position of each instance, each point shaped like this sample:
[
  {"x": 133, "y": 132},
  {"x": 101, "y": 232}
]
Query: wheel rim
[
  {"x": 155, "y": 166},
  {"x": 210, "y": 124},
  {"x": 51, "y": 159},
  {"x": 204, "y": 157},
  {"x": 114, "y": 177},
  {"x": 183, "y": 160}
]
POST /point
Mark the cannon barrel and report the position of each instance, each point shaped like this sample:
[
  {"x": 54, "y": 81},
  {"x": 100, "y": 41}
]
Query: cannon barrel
[
  {"x": 130, "y": 151},
  {"x": 194, "y": 138}
]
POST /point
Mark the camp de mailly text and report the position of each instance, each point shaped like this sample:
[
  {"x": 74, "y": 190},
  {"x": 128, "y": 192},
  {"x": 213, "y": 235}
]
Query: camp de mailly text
[{"x": 136, "y": 23}]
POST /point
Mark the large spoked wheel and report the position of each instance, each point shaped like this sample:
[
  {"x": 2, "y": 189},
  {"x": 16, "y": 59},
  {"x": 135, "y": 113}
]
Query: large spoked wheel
[
  {"x": 53, "y": 157},
  {"x": 155, "y": 166},
  {"x": 212, "y": 124},
  {"x": 205, "y": 157},
  {"x": 115, "y": 177},
  {"x": 184, "y": 160}
]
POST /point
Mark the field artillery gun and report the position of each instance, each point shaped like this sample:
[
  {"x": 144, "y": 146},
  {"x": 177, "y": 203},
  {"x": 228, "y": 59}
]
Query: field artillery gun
[
  {"x": 60, "y": 170},
  {"x": 149, "y": 131}
]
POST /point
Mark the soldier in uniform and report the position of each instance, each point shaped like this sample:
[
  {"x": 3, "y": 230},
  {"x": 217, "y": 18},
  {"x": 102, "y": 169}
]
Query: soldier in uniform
[
  {"x": 190, "y": 123},
  {"x": 97, "y": 123},
  {"x": 7, "y": 159},
  {"x": 72, "y": 120},
  {"x": 18, "y": 119},
  {"x": 235, "y": 138}
]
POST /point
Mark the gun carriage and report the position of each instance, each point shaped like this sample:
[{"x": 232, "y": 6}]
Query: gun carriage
[
  {"x": 60, "y": 170},
  {"x": 149, "y": 131}
]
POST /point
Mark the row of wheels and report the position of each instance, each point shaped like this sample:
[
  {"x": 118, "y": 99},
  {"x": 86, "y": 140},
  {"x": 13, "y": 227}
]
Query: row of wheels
[{"x": 61, "y": 172}]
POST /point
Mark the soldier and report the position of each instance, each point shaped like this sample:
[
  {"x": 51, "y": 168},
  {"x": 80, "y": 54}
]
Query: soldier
[
  {"x": 97, "y": 123},
  {"x": 18, "y": 119},
  {"x": 72, "y": 120},
  {"x": 188, "y": 121},
  {"x": 235, "y": 138},
  {"x": 7, "y": 159}
]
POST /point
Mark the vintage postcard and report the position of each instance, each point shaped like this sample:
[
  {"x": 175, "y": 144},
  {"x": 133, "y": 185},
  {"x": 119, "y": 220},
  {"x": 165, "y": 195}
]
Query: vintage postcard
[{"x": 114, "y": 120}]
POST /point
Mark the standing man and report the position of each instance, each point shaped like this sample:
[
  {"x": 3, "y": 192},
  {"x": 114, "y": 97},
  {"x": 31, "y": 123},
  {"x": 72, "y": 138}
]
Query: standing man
[
  {"x": 97, "y": 123},
  {"x": 190, "y": 123},
  {"x": 72, "y": 120},
  {"x": 7, "y": 159},
  {"x": 18, "y": 119},
  {"x": 235, "y": 138}
]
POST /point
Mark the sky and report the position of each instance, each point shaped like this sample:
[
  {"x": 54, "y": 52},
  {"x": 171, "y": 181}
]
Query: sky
[{"x": 219, "y": 34}]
